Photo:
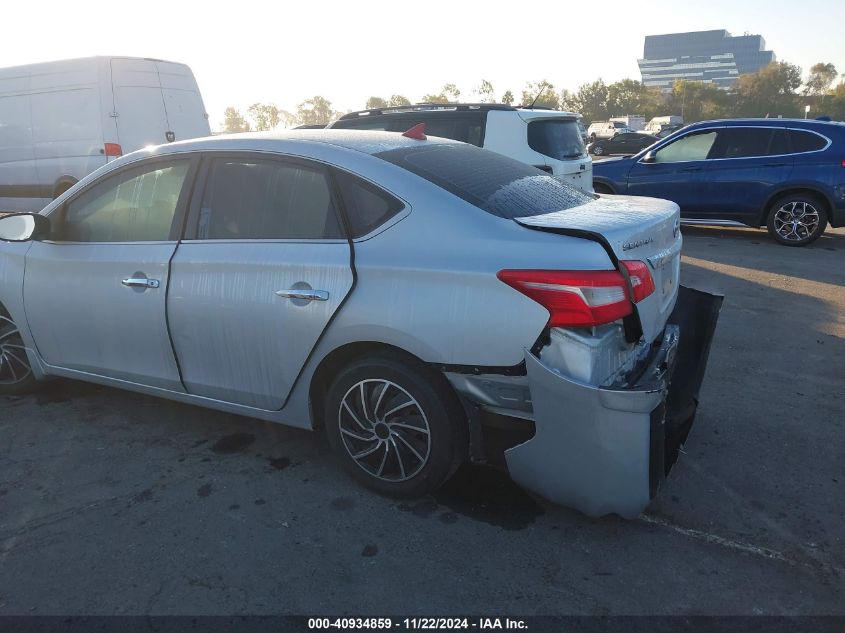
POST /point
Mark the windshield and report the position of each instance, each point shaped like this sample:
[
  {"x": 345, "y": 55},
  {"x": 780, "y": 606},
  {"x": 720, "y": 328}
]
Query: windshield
[
  {"x": 619, "y": 124},
  {"x": 499, "y": 185},
  {"x": 556, "y": 138}
]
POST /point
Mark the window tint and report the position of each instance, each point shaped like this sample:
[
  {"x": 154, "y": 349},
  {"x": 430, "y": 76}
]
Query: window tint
[
  {"x": 263, "y": 199},
  {"x": 742, "y": 142},
  {"x": 779, "y": 144},
  {"x": 137, "y": 205},
  {"x": 806, "y": 141},
  {"x": 557, "y": 139},
  {"x": 463, "y": 129},
  {"x": 367, "y": 206},
  {"x": 499, "y": 185},
  {"x": 694, "y": 146}
]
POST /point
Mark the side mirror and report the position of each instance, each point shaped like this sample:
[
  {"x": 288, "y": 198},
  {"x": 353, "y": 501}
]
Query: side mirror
[
  {"x": 22, "y": 227},
  {"x": 650, "y": 157}
]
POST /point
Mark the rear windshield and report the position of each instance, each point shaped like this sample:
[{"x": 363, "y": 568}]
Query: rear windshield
[
  {"x": 499, "y": 185},
  {"x": 559, "y": 139}
]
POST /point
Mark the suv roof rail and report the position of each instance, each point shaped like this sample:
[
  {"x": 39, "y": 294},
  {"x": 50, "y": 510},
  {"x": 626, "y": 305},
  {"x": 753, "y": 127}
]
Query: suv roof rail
[{"x": 429, "y": 107}]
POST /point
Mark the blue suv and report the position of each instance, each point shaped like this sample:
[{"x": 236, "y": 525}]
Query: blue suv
[{"x": 785, "y": 174}]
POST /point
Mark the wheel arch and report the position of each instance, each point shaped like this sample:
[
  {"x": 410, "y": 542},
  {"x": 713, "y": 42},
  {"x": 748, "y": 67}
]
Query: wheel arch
[
  {"x": 334, "y": 361},
  {"x": 605, "y": 185},
  {"x": 62, "y": 184},
  {"x": 794, "y": 190}
]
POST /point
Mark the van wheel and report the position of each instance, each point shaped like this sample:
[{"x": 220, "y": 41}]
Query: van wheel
[
  {"x": 395, "y": 425},
  {"x": 797, "y": 219},
  {"x": 15, "y": 372}
]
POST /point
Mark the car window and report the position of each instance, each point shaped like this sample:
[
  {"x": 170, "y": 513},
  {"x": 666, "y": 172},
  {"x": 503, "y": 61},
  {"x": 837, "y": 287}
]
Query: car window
[
  {"x": 743, "y": 142},
  {"x": 558, "y": 139},
  {"x": 693, "y": 146},
  {"x": 464, "y": 129},
  {"x": 497, "y": 184},
  {"x": 138, "y": 205},
  {"x": 367, "y": 207},
  {"x": 246, "y": 199},
  {"x": 619, "y": 124},
  {"x": 806, "y": 141}
]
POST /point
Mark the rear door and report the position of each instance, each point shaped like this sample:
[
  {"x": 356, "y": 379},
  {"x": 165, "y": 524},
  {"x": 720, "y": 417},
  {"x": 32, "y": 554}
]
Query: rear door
[
  {"x": 743, "y": 167},
  {"x": 138, "y": 104},
  {"x": 676, "y": 173},
  {"x": 264, "y": 267},
  {"x": 186, "y": 117}
]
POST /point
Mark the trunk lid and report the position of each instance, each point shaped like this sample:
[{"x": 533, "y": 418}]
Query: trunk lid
[{"x": 632, "y": 228}]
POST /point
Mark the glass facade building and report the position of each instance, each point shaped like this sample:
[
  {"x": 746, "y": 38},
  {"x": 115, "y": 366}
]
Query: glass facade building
[{"x": 710, "y": 56}]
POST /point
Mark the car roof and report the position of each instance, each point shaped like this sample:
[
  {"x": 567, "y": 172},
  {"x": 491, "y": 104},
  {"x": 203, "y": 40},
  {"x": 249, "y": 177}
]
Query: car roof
[
  {"x": 364, "y": 141},
  {"x": 808, "y": 123}
]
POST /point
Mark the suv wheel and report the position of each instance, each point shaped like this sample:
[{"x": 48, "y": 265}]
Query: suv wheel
[
  {"x": 15, "y": 373},
  {"x": 797, "y": 220},
  {"x": 395, "y": 426}
]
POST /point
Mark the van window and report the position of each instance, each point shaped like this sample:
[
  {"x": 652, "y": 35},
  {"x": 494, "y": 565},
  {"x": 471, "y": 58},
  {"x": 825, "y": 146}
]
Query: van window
[
  {"x": 499, "y": 185},
  {"x": 464, "y": 129},
  {"x": 364, "y": 123},
  {"x": 248, "y": 199},
  {"x": 137, "y": 205},
  {"x": 559, "y": 139},
  {"x": 695, "y": 146},
  {"x": 806, "y": 141},
  {"x": 367, "y": 206}
]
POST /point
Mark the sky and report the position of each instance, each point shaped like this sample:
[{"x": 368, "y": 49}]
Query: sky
[{"x": 283, "y": 53}]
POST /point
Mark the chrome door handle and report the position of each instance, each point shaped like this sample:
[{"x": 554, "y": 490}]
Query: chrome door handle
[
  {"x": 141, "y": 282},
  {"x": 304, "y": 293}
]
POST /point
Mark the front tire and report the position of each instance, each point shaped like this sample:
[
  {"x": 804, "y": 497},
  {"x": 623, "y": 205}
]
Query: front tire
[
  {"x": 395, "y": 425},
  {"x": 598, "y": 150},
  {"x": 797, "y": 219},
  {"x": 16, "y": 376}
]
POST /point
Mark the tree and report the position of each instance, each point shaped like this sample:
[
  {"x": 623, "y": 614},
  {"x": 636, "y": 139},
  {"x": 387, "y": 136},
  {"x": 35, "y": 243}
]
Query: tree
[
  {"x": 542, "y": 94},
  {"x": 447, "y": 91},
  {"x": 630, "y": 96},
  {"x": 836, "y": 107},
  {"x": 699, "y": 100},
  {"x": 508, "y": 98},
  {"x": 399, "y": 100},
  {"x": 315, "y": 111},
  {"x": 234, "y": 121},
  {"x": 770, "y": 91},
  {"x": 820, "y": 80},
  {"x": 590, "y": 101},
  {"x": 375, "y": 103},
  {"x": 265, "y": 116},
  {"x": 485, "y": 92}
]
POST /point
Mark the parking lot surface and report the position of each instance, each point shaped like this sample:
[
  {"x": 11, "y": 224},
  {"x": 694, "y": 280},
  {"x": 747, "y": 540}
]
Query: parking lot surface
[{"x": 116, "y": 503}]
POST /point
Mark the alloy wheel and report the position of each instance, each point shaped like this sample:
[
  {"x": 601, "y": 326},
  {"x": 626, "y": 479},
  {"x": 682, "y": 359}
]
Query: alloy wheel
[
  {"x": 796, "y": 221},
  {"x": 384, "y": 430},
  {"x": 14, "y": 364}
]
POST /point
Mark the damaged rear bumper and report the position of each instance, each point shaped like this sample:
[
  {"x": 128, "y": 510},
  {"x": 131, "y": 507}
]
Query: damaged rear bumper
[{"x": 606, "y": 449}]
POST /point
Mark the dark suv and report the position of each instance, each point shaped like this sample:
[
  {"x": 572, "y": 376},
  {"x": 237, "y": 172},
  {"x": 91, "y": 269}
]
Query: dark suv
[{"x": 786, "y": 174}]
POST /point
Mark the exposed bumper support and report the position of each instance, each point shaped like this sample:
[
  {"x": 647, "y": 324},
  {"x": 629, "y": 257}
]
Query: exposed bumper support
[{"x": 606, "y": 449}]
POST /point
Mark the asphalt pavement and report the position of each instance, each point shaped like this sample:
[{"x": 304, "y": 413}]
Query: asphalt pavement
[{"x": 116, "y": 503}]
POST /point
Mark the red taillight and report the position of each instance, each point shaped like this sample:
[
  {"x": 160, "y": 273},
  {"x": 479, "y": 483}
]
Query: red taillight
[
  {"x": 113, "y": 149},
  {"x": 641, "y": 280},
  {"x": 582, "y": 298}
]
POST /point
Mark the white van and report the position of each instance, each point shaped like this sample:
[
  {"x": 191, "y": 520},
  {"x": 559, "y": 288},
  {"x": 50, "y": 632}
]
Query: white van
[
  {"x": 606, "y": 129},
  {"x": 59, "y": 121},
  {"x": 547, "y": 139}
]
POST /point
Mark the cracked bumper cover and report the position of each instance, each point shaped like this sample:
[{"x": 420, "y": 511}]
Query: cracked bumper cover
[{"x": 606, "y": 449}]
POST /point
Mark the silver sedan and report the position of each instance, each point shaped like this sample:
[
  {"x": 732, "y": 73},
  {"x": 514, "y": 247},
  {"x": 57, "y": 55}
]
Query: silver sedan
[{"x": 424, "y": 301}]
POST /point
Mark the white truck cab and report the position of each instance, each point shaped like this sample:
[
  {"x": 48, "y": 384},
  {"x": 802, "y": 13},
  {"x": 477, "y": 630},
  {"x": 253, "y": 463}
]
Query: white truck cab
[{"x": 59, "y": 121}]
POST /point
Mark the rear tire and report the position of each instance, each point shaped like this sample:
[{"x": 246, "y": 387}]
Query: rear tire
[
  {"x": 395, "y": 425},
  {"x": 601, "y": 189},
  {"x": 797, "y": 219},
  {"x": 598, "y": 150},
  {"x": 16, "y": 376}
]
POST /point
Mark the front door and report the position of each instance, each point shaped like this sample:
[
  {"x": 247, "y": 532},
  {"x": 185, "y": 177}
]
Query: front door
[
  {"x": 676, "y": 172},
  {"x": 254, "y": 289},
  {"x": 95, "y": 292}
]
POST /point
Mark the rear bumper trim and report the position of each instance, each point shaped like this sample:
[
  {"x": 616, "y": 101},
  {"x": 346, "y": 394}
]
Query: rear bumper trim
[{"x": 606, "y": 450}]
